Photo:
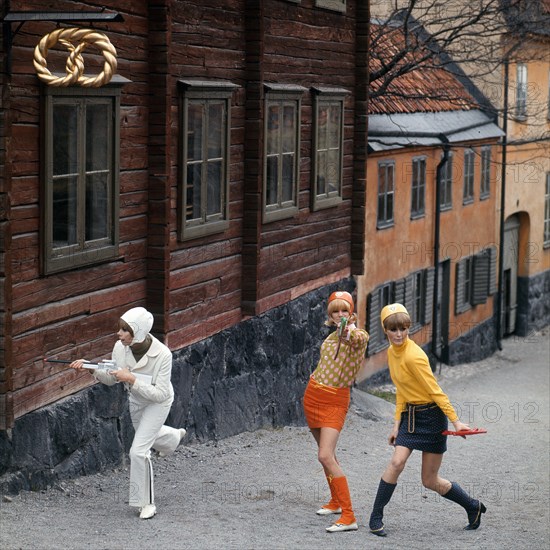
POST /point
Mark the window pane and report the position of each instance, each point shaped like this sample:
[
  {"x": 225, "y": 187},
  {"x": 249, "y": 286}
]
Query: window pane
[
  {"x": 97, "y": 206},
  {"x": 273, "y": 129},
  {"x": 193, "y": 210},
  {"x": 64, "y": 211},
  {"x": 288, "y": 177},
  {"x": 333, "y": 170},
  {"x": 322, "y": 127},
  {"x": 65, "y": 140},
  {"x": 215, "y": 135},
  {"x": 334, "y": 127},
  {"x": 97, "y": 157},
  {"x": 214, "y": 194},
  {"x": 289, "y": 129},
  {"x": 321, "y": 172},
  {"x": 271, "y": 183},
  {"x": 194, "y": 131},
  {"x": 389, "y": 210}
]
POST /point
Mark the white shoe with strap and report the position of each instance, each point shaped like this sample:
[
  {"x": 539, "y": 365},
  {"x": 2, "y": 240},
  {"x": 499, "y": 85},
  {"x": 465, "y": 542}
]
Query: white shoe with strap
[{"x": 337, "y": 527}]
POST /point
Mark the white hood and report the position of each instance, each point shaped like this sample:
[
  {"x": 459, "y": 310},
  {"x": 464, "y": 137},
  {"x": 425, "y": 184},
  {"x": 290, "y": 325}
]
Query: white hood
[{"x": 140, "y": 321}]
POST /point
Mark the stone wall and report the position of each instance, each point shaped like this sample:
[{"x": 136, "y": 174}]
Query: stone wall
[
  {"x": 533, "y": 303},
  {"x": 475, "y": 345},
  {"x": 250, "y": 376}
]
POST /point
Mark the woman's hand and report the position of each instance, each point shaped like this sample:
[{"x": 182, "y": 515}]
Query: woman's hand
[
  {"x": 123, "y": 375},
  {"x": 393, "y": 436},
  {"x": 78, "y": 364},
  {"x": 459, "y": 426}
]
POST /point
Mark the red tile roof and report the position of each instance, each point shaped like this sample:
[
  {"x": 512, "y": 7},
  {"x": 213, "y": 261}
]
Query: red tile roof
[{"x": 425, "y": 88}]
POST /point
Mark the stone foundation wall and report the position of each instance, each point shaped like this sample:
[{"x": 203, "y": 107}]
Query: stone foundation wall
[
  {"x": 250, "y": 376},
  {"x": 533, "y": 311}
]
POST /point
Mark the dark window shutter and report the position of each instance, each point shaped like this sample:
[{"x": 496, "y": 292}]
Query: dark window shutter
[
  {"x": 373, "y": 319},
  {"x": 492, "y": 251},
  {"x": 408, "y": 298},
  {"x": 460, "y": 304},
  {"x": 399, "y": 291},
  {"x": 480, "y": 278},
  {"x": 429, "y": 294}
]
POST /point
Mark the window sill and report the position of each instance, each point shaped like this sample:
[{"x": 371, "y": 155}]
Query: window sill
[
  {"x": 321, "y": 204},
  {"x": 418, "y": 216},
  {"x": 203, "y": 230},
  {"x": 385, "y": 225},
  {"x": 279, "y": 214}
]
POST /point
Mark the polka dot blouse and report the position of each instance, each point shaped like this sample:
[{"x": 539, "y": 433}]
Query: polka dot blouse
[{"x": 340, "y": 372}]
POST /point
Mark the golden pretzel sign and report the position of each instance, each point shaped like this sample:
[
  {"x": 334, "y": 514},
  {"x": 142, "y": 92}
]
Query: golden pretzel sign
[{"x": 74, "y": 66}]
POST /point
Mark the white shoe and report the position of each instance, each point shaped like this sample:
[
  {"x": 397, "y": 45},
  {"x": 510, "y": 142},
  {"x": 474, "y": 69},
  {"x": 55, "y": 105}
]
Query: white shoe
[
  {"x": 336, "y": 527},
  {"x": 182, "y": 432},
  {"x": 148, "y": 511},
  {"x": 327, "y": 511}
]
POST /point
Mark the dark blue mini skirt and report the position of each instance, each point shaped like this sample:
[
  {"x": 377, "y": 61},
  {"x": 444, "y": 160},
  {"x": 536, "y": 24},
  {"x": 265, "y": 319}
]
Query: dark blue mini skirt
[{"x": 421, "y": 427}]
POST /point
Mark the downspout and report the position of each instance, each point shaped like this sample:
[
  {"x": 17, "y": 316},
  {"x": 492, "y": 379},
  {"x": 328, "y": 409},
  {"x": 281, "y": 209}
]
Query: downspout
[
  {"x": 437, "y": 231},
  {"x": 502, "y": 205}
]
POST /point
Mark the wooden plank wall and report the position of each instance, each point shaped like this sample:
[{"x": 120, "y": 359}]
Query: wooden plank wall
[
  {"x": 71, "y": 314},
  {"x": 199, "y": 287}
]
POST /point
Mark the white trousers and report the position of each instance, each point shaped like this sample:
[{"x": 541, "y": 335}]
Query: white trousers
[{"x": 148, "y": 420}]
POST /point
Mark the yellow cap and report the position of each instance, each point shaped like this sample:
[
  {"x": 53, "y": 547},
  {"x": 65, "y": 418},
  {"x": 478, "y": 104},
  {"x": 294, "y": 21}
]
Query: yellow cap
[{"x": 390, "y": 310}]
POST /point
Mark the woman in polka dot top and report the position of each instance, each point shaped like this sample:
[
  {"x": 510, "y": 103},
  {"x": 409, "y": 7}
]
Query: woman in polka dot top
[{"x": 327, "y": 398}]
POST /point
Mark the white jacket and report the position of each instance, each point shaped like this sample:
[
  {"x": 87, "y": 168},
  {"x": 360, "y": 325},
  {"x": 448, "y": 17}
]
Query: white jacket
[{"x": 157, "y": 363}]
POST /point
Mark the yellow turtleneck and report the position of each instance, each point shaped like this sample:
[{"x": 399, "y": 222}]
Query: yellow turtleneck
[{"x": 412, "y": 375}]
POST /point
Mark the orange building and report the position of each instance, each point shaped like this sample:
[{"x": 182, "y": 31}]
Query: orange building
[{"x": 431, "y": 202}]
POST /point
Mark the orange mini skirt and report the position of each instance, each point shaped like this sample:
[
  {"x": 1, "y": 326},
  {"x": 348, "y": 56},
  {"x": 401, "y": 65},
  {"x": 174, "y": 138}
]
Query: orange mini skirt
[{"x": 325, "y": 406}]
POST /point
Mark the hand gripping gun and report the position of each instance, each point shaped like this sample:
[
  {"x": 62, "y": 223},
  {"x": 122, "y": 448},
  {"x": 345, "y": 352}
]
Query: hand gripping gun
[
  {"x": 341, "y": 331},
  {"x": 105, "y": 365}
]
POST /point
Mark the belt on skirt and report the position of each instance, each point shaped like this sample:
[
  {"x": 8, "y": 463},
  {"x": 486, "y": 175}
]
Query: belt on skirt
[
  {"x": 319, "y": 386},
  {"x": 412, "y": 409}
]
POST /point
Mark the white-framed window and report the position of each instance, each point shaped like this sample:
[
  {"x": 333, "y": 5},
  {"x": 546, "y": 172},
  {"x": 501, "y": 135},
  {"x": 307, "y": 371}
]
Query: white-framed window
[
  {"x": 446, "y": 184},
  {"x": 521, "y": 91},
  {"x": 485, "y": 187},
  {"x": 205, "y": 108},
  {"x": 418, "y": 191},
  {"x": 386, "y": 183},
  {"x": 468, "y": 190}
]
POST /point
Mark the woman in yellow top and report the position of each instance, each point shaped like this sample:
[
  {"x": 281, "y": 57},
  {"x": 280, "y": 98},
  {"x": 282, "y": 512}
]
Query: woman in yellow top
[
  {"x": 327, "y": 398},
  {"x": 421, "y": 413}
]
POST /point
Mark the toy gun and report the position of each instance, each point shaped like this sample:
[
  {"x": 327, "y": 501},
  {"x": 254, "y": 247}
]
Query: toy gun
[
  {"x": 341, "y": 331},
  {"x": 105, "y": 365}
]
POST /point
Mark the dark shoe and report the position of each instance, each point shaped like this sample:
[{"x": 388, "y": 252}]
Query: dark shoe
[
  {"x": 379, "y": 532},
  {"x": 475, "y": 517}
]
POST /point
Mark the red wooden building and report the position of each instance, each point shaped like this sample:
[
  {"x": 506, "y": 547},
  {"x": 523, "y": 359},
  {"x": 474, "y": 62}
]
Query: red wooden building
[{"x": 219, "y": 174}]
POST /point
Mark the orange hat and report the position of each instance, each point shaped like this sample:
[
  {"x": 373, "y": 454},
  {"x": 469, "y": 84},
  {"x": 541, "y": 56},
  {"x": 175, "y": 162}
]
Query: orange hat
[
  {"x": 342, "y": 295},
  {"x": 390, "y": 310}
]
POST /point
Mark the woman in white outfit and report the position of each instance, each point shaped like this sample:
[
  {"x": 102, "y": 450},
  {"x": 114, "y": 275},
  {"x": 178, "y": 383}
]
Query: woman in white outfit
[{"x": 137, "y": 353}]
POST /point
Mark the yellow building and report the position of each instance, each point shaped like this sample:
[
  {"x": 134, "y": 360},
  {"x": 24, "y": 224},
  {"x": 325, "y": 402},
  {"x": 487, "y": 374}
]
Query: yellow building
[{"x": 526, "y": 185}]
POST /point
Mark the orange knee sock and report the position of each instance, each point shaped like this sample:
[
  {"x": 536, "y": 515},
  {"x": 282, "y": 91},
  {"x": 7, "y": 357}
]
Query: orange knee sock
[{"x": 341, "y": 491}]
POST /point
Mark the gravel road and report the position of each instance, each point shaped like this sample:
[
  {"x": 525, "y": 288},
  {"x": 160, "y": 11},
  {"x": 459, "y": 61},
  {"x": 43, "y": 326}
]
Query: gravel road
[{"x": 260, "y": 490}]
